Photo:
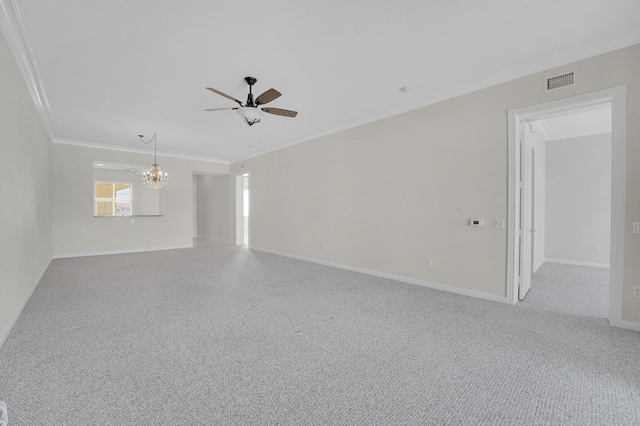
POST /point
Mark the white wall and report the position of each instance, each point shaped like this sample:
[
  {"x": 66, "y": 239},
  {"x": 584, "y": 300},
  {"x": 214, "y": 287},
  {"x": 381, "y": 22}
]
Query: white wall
[
  {"x": 386, "y": 195},
  {"x": 579, "y": 200},
  {"x": 77, "y": 232},
  {"x": 213, "y": 207},
  {"x": 25, "y": 185}
]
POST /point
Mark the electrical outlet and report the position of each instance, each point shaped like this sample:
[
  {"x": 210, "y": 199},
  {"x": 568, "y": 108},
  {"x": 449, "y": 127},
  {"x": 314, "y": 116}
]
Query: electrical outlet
[
  {"x": 636, "y": 227},
  {"x": 636, "y": 292}
]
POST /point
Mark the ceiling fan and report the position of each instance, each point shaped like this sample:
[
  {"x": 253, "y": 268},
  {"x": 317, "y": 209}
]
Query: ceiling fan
[{"x": 251, "y": 111}]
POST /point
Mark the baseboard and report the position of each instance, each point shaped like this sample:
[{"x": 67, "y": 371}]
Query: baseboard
[
  {"x": 102, "y": 253},
  {"x": 628, "y": 325},
  {"x": 230, "y": 243},
  {"x": 4, "y": 337},
  {"x": 217, "y": 240},
  {"x": 436, "y": 286},
  {"x": 577, "y": 263}
]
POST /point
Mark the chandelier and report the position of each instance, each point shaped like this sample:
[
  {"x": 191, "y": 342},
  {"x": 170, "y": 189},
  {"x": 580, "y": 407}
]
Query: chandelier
[{"x": 154, "y": 178}]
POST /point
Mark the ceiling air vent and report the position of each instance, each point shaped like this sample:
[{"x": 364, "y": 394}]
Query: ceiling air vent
[{"x": 558, "y": 81}]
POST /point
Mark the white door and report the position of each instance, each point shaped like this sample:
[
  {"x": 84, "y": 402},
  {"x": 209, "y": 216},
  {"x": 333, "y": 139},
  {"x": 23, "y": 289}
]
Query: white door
[
  {"x": 245, "y": 208},
  {"x": 533, "y": 210},
  {"x": 526, "y": 222}
]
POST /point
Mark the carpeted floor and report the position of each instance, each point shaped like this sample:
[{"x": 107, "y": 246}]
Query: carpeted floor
[{"x": 221, "y": 335}]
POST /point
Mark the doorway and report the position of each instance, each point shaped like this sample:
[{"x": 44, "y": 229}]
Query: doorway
[
  {"x": 242, "y": 209},
  {"x": 521, "y": 229},
  {"x": 566, "y": 194}
]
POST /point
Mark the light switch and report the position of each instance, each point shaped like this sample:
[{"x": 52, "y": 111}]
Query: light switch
[{"x": 636, "y": 227}]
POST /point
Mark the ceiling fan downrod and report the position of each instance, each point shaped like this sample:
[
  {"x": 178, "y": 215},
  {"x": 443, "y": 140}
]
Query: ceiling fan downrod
[{"x": 250, "y": 81}]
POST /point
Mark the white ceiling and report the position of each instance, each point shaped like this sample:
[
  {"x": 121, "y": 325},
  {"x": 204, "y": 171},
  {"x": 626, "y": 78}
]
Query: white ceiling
[{"x": 107, "y": 71}]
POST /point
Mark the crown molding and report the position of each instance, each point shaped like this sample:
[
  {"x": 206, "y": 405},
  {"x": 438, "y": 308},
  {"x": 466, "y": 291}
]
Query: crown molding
[
  {"x": 13, "y": 29},
  {"x": 137, "y": 151},
  {"x": 563, "y": 58}
]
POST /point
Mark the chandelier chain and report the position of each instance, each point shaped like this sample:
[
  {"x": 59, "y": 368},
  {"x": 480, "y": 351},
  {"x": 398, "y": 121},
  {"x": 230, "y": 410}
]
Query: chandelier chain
[{"x": 155, "y": 145}]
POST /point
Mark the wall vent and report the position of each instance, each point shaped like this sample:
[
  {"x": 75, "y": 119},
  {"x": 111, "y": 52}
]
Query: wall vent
[{"x": 558, "y": 81}]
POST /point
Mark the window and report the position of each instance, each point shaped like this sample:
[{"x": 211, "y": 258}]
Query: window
[{"x": 112, "y": 199}]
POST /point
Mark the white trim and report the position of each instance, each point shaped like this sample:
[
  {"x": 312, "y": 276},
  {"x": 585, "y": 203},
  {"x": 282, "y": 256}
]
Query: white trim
[
  {"x": 239, "y": 204},
  {"x": 577, "y": 263},
  {"x": 513, "y": 188},
  {"x": 194, "y": 194},
  {"x": 618, "y": 174},
  {"x": 24, "y": 305},
  {"x": 13, "y": 28},
  {"x": 137, "y": 151},
  {"x": 618, "y": 98},
  {"x": 217, "y": 240},
  {"x": 545, "y": 64},
  {"x": 220, "y": 240},
  {"x": 103, "y": 253},
  {"x": 628, "y": 325},
  {"x": 429, "y": 284}
]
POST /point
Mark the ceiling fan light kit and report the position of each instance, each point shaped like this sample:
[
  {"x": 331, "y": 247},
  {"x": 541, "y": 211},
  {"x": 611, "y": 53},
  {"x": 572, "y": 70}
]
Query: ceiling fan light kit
[
  {"x": 251, "y": 111},
  {"x": 250, "y": 115}
]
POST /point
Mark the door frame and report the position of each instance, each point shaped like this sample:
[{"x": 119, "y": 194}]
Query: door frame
[
  {"x": 195, "y": 205},
  {"x": 617, "y": 96},
  {"x": 525, "y": 234},
  {"x": 240, "y": 207}
]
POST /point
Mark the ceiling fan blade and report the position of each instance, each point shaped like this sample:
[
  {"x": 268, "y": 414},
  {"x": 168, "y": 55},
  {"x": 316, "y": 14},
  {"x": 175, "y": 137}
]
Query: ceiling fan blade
[
  {"x": 278, "y": 111},
  {"x": 223, "y": 94},
  {"x": 268, "y": 96},
  {"x": 218, "y": 109}
]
